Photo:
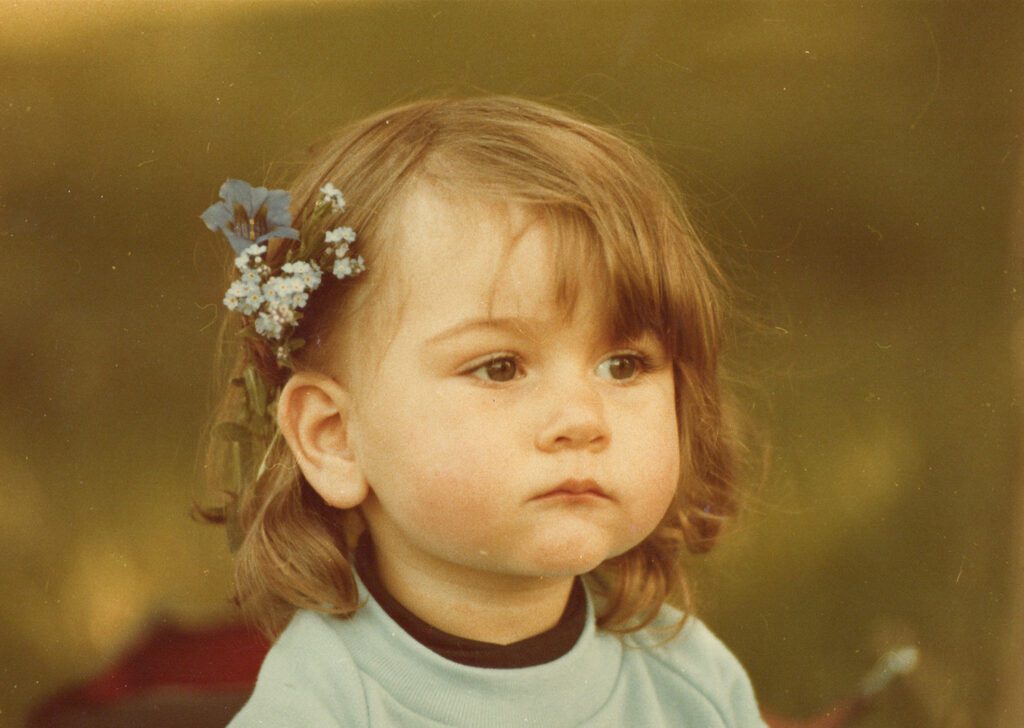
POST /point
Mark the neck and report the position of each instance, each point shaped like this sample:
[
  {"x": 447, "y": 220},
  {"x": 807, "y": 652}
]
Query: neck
[{"x": 495, "y": 608}]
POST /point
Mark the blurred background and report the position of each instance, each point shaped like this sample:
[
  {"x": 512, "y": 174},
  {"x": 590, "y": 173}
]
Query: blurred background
[{"x": 857, "y": 167}]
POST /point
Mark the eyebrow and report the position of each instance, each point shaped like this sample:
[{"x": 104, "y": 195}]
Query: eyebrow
[{"x": 512, "y": 325}]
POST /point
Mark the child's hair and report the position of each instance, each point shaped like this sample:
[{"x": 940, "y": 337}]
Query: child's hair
[{"x": 610, "y": 206}]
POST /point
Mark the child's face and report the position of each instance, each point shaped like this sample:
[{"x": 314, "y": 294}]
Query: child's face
[{"x": 497, "y": 434}]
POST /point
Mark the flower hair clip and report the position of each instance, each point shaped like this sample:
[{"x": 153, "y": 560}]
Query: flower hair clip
[
  {"x": 271, "y": 300},
  {"x": 270, "y": 296}
]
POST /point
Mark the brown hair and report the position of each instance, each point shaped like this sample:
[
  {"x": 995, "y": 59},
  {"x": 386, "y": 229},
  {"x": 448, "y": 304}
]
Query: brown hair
[{"x": 612, "y": 206}]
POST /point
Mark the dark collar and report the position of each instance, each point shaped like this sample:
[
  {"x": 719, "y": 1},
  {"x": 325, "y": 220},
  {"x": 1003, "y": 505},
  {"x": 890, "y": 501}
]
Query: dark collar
[{"x": 536, "y": 650}]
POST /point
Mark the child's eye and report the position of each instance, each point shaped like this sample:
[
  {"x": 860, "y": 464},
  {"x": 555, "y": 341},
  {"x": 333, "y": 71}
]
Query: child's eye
[
  {"x": 622, "y": 367},
  {"x": 499, "y": 369}
]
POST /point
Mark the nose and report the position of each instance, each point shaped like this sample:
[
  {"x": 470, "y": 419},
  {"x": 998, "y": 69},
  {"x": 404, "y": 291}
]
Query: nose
[{"x": 574, "y": 419}]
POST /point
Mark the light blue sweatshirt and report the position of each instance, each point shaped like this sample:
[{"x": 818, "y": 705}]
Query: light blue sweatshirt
[{"x": 367, "y": 671}]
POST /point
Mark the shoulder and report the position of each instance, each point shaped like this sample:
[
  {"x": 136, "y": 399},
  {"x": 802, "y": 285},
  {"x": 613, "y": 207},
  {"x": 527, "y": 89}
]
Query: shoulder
[
  {"x": 697, "y": 663},
  {"x": 307, "y": 678}
]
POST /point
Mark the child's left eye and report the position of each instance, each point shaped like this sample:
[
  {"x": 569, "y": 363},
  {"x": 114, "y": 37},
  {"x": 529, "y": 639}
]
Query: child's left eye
[{"x": 621, "y": 367}]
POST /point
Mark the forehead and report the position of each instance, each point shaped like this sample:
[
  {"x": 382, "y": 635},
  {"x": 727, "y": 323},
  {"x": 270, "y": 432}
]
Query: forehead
[
  {"x": 445, "y": 256},
  {"x": 460, "y": 255}
]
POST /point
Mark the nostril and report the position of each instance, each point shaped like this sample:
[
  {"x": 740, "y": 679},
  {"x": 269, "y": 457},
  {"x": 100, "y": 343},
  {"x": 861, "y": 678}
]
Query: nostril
[
  {"x": 574, "y": 418},
  {"x": 580, "y": 434}
]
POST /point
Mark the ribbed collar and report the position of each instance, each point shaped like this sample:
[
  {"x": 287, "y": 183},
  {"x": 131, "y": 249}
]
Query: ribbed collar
[{"x": 544, "y": 647}]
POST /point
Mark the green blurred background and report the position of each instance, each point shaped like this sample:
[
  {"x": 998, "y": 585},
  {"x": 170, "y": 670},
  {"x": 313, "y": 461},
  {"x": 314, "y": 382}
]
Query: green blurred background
[{"x": 855, "y": 165}]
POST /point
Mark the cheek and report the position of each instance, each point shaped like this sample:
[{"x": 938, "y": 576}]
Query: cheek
[
  {"x": 455, "y": 508},
  {"x": 460, "y": 478},
  {"x": 661, "y": 472},
  {"x": 656, "y": 460},
  {"x": 446, "y": 440},
  {"x": 439, "y": 467}
]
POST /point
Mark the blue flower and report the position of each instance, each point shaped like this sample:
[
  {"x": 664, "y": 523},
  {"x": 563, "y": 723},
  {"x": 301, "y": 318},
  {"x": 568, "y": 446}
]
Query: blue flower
[{"x": 250, "y": 215}]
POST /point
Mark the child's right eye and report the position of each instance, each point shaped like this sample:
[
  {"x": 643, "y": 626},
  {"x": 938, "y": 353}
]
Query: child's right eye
[{"x": 499, "y": 369}]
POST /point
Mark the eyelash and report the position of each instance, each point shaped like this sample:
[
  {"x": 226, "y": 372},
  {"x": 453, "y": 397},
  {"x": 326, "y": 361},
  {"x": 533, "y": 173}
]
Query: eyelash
[
  {"x": 641, "y": 361},
  {"x": 482, "y": 366},
  {"x": 643, "y": 364}
]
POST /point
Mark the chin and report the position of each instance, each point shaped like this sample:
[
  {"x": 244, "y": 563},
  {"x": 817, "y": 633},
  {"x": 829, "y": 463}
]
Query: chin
[{"x": 569, "y": 557}]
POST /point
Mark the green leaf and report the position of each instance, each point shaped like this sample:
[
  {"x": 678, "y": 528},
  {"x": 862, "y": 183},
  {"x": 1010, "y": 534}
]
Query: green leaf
[
  {"x": 321, "y": 209},
  {"x": 255, "y": 391},
  {"x": 232, "y": 432},
  {"x": 296, "y": 343},
  {"x": 241, "y": 460},
  {"x": 234, "y": 531}
]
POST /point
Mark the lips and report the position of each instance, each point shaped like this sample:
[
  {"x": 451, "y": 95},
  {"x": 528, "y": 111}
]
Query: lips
[{"x": 575, "y": 487}]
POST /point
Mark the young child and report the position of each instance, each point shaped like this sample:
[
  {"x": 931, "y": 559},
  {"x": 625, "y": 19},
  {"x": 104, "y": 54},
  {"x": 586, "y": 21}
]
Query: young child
[{"x": 475, "y": 419}]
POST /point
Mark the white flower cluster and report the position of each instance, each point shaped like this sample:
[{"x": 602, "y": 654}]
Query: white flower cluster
[
  {"x": 333, "y": 195},
  {"x": 344, "y": 235},
  {"x": 284, "y": 295},
  {"x": 339, "y": 242},
  {"x": 347, "y": 267},
  {"x": 245, "y": 295},
  {"x": 276, "y": 300}
]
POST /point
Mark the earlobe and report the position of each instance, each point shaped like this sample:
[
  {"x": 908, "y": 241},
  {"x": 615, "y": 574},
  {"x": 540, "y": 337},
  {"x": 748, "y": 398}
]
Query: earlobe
[{"x": 313, "y": 414}]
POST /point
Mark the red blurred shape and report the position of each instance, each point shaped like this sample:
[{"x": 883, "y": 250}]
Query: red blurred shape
[{"x": 169, "y": 671}]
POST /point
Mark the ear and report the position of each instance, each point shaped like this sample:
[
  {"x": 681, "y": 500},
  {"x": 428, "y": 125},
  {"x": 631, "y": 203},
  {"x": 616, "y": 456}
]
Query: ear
[{"x": 313, "y": 415}]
